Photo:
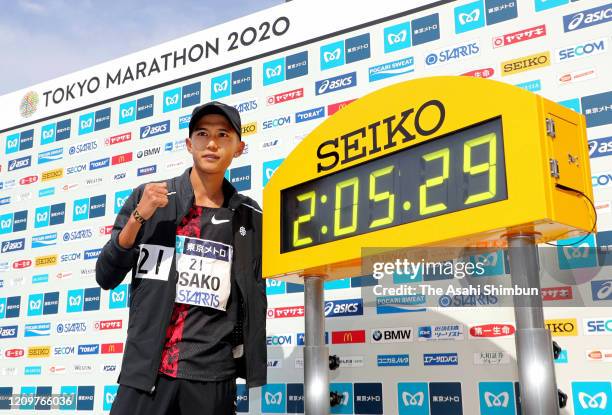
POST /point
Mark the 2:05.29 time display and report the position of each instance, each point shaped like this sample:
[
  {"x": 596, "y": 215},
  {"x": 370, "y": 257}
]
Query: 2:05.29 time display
[{"x": 457, "y": 171}]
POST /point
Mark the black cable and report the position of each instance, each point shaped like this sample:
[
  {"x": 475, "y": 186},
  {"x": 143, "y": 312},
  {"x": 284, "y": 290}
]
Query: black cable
[{"x": 560, "y": 186}]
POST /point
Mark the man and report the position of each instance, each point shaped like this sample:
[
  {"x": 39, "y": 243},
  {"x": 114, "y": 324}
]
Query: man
[{"x": 198, "y": 302}]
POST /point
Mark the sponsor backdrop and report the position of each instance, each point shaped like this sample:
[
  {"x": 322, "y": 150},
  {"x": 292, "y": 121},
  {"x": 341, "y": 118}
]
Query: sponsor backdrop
[{"x": 72, "y": 149}]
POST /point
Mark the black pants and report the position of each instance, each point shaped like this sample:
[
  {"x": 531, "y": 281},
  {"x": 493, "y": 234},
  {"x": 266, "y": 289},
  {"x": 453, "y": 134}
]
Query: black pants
[{"x": 177, "y": 396}]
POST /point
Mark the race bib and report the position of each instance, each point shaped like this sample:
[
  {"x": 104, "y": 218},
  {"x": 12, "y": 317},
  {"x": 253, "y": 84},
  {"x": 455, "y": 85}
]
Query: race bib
[
  {"x": 203, "y": 272},
  {"x": 154, "y": 262}
]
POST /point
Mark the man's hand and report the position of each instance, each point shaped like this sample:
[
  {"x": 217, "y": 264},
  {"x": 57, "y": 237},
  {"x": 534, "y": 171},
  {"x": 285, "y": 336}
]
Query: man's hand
[{"x": 155, "y": 195}]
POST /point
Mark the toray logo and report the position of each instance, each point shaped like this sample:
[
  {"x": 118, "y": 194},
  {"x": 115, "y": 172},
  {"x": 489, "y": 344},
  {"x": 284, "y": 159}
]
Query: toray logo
[
  {"x": 591, "y": 398},
  {"x": 185, "y": 96},
  {"x": 151, "y": 130},
  {"x": 336, "y": 83},
  {"x": 587, "y": 18},
  {"x": 19, "y": 141},
  {"x": 285, "y": 68},
  {"x": 350, "y": 50},
  {"x": 94, "y": 121},
  {"x": 136, "y": 110},
  {"x": 51, "y": 133}
]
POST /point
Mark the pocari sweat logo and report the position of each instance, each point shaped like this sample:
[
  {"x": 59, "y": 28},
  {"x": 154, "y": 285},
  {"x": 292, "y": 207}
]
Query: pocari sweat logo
[{"x": 390, "y": 69}]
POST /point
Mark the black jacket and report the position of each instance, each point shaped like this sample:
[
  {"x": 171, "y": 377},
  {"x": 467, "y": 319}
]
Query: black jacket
[{"x": 152, "y": 300}]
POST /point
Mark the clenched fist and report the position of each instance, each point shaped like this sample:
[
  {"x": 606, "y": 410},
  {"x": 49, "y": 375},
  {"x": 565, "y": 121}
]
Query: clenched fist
[{"x": 155, "y": 195}]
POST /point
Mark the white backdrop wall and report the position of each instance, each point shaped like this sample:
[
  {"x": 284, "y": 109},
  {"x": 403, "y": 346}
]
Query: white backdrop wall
[{"x": 74, "y": 147}]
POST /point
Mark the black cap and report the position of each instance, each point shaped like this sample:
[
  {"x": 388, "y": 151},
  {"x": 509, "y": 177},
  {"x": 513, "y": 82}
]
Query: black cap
[{"x": 216, "y": 107}]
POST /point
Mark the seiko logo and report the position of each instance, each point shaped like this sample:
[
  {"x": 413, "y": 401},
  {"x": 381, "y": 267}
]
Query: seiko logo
[{"x": 355, "y": 144}]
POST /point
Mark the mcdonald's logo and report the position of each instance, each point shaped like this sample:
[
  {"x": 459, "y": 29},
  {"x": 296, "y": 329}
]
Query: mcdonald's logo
[
  {"x": 112, "y": 348},
  {"x": 351, "y": 336}
]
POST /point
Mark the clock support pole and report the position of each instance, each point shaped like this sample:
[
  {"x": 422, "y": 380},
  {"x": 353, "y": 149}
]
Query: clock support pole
[
  {"x": 316, "y": 352},
  {"x": 534, "y": 353}
]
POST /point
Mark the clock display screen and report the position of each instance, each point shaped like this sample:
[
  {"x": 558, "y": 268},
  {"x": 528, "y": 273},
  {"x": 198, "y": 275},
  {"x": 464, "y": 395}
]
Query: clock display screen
[{"x": 457, "y": 171}]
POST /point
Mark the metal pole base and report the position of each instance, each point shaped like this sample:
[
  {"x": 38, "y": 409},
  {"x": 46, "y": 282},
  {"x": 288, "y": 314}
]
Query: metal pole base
[
  {"x": 534, "y": 354},
  {"x": 316, "y": 352}
]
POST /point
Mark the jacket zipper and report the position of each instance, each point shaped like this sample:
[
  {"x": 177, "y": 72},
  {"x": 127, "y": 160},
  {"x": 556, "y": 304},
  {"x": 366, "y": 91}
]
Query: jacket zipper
[{"x": 167, "y": 321}]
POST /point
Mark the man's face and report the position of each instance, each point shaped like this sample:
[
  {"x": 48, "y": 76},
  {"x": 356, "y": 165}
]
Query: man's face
[{"x": 213, "y": 144}]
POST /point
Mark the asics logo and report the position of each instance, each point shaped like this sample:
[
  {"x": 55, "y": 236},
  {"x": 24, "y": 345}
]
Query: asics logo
[{"x": 605, "y": 291}]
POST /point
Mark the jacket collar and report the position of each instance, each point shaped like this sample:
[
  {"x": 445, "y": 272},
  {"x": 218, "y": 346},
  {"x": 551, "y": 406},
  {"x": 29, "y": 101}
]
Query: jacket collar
[{"x": 186, "y": 197}]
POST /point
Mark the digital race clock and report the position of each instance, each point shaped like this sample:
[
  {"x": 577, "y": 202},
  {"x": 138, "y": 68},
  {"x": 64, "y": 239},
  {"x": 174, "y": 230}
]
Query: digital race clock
[
  {"x": 453, "y": 161},
  {"x": 460, "y": 170}
]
